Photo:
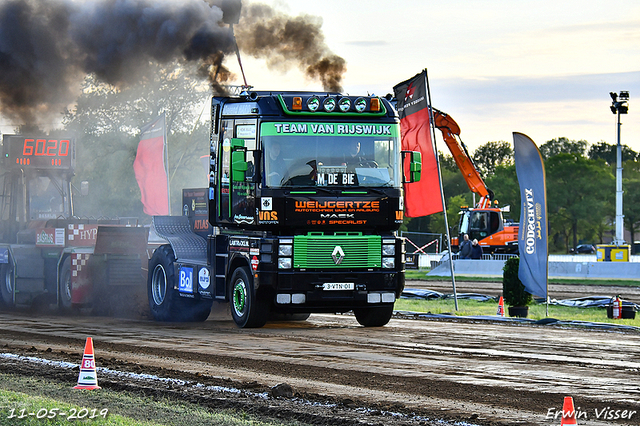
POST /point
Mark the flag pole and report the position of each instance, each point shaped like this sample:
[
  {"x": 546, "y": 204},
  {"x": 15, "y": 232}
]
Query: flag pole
[
  {"x": 166, "y": 156},
  {"x": 444, "y": 205}
]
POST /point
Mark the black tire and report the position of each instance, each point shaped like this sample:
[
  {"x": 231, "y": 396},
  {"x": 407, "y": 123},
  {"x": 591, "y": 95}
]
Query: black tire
[
  {"x": 64, "y": 285},
  {"x": 374, "y": 317},
  {"x": 201, "y": 311},
  {"x": 247, "y": 308},
  {"x": 165, "y": 303},
  {"x": 7, "y": 284},
  {"x": 163, "y": 299}
]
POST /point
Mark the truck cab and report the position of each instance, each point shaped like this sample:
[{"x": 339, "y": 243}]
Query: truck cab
[{"x": 305, "y": 198}]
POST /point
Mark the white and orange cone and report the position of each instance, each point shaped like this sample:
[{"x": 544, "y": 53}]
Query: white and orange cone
[
  {"x": 500, "y": 312},
  {"x": 88, "y": 378},
  {"x": 568, "y": 412}
]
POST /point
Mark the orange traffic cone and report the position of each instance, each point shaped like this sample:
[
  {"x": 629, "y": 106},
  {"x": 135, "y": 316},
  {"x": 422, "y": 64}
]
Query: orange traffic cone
[
  {"x": 568, "y": 412},
  {"x": 87, "y": 378},
  {"x": 500, "y": 307}
]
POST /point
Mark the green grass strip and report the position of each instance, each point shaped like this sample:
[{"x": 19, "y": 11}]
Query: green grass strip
[
  {"x": 474, "y": 308},
  {"x": 413, "y": 274},
  {"x": 20, "y": 396}
]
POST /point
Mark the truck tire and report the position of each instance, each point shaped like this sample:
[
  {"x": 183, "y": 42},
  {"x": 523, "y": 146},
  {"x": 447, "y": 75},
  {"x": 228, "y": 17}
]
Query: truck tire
[
  {"x": 165, "y": 303},
  {"x": 247, "y": 308},
  {"x": 64, "y": 285},
  {"x": 7, "y": 284},
  {"x": 163, "y": 299},
  {"x": 374, "y": 317}
]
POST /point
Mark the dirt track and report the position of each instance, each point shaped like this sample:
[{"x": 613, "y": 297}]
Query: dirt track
[{"x": 480, "y": 372}]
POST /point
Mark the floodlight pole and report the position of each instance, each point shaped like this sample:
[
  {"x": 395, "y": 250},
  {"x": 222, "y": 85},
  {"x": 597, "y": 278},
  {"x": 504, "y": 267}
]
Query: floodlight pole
[
  {"x": 619, "y": 107},
  {"x": 619, "y": 216}
]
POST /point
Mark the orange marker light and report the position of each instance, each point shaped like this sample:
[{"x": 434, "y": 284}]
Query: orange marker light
[
  {"x": 375, "y": 105},
  {"x": 297, "y": 103}
]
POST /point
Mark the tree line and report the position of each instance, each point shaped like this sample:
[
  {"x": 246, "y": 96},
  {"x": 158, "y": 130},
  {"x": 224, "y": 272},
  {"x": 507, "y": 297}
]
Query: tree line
[{"x": 581, "y": 190}]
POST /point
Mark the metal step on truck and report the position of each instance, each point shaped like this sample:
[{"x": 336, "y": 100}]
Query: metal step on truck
[{"x": 304, "y": 200}]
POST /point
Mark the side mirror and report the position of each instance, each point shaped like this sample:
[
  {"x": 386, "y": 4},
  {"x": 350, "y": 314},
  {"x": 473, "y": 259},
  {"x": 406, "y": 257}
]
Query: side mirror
[
  {"x": 239, "y": 163},
  {"x": 413, "y": 170}
]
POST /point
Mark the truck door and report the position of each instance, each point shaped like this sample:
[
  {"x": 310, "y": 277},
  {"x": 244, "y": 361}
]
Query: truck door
[{"x": 241, "y": 208}]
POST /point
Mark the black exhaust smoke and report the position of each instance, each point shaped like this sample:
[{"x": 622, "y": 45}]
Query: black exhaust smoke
[{"x": 48, "y": 46}]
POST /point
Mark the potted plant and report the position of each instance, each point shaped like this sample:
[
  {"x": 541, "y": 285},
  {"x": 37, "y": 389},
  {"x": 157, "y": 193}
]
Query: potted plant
[{"x": 515, "y": 296}]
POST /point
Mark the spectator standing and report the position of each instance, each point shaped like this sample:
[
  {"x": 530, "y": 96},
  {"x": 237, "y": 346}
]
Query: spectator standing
[
  {"x": 476, "y": 250},
  {"x": 465, "y": 248}
]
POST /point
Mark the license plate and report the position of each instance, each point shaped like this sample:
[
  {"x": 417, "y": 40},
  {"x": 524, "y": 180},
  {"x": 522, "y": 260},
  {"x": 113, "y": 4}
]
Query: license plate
[{"x": 338, "y": 286}]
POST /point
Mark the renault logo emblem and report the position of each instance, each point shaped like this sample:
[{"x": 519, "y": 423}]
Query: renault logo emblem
[{"x": 338, "y": 255}]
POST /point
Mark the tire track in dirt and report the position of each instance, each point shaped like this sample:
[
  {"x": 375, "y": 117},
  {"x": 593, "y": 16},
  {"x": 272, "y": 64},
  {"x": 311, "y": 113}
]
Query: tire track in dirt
[{"x": 481, "y": 372}]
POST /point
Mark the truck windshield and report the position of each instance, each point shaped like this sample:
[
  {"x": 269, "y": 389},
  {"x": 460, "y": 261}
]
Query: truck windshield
[
  {"x": 320, "y": 154},
  {"x": 46, "y": 199}
]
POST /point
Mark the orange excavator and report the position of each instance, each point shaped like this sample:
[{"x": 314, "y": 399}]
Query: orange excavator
[{"x": 482, "y": 222}]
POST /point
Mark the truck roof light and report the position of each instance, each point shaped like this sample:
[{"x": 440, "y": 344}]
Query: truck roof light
[
  {"x": 375, "y": 105},
  {"x": 329, "y": 104},
  {"x": 360, "y": 104},
  {"x": 297, "y": 103},
  {"x": 313, "y": 103},
  {"x": 344, "y": 104}
]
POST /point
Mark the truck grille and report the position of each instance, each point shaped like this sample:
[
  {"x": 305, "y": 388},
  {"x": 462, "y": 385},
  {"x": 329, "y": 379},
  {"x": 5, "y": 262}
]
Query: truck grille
[{"x": 351, "y": 251}]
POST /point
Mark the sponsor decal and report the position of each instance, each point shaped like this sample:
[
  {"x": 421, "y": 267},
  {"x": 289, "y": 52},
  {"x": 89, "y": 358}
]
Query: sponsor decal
[
  {"x": 268, "y": 217},
  {"x": 533, "y": 228},
  {"x": 200, "y": 224},
  {"x": 337, "y": 212},
  {"x": 254, "y": 263},
  {"x": 337, "y": 206},
  {"x": 266, "y": 203},
  {"x": 329, "y": 129},
  {"x": 238, "y": 243},
  {"x": 81, "y": 235},
  {"x": 51, "y": 237},
  {"x": 239, "y": 218},
  {"x": 204, "y": 278},
  {"x": 185, "y": 280}
]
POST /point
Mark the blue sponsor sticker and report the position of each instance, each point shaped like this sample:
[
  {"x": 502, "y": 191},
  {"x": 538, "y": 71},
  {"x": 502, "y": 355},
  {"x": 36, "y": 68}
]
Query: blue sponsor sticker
[{"x": 186, "y": 280}]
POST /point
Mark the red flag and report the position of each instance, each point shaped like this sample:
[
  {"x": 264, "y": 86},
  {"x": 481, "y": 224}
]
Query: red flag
[
  {"x": 421, "y": 198},
  {"x": 149, "y": 168}
]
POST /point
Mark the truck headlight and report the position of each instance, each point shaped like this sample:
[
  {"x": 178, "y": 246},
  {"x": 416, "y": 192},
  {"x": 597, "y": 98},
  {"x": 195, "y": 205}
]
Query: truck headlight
[
  {"x": 284, "y": 263},
  {"x": 388, "y": 250},
  {"x": 285, "y": 250},
  {"x": 389, "y": 262}
]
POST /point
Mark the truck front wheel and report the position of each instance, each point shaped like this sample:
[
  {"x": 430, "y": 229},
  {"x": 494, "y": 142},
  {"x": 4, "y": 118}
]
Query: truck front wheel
[
  {"x": 247, "y": 308},
  {"x": 374, "y": 317},
  {"x": 6, "y": 285}
]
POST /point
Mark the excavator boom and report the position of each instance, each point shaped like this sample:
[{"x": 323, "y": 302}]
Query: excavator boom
[
  {"x": 450, "y": 130},
  {"x": 483, "y": 222}
]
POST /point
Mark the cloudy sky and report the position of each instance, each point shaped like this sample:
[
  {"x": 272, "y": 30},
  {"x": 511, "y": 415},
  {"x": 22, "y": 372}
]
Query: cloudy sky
[{"x": 544, "y": 68}]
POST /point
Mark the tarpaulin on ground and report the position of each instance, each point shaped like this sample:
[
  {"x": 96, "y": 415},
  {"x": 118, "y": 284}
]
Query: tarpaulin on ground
[
  {"x": 422, "y": 198},
  {"x": 150, "y": 170},
  {"x": 532, "y": 238}
]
